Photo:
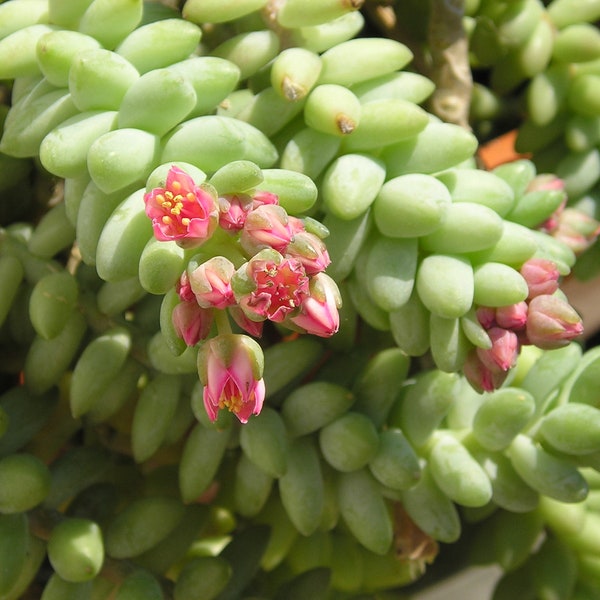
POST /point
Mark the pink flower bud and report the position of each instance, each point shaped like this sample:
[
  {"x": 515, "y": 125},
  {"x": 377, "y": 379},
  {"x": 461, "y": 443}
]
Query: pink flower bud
[
  {"x": 513, "y": 316},
  {"x": 270, "y": 286},
  {"x": 231, "y": 367},
  {"x": 504, "y": 351},
  {"x": 310, "y": 250},
  {"x": 266, "y": 227},
  {"x": 184, "y": 289},
  {"x": 233, "y": 210},
  {"x": 482, "y": 378},
  {"x": 262, "y": 197},
  {"x": 552, "y": 322},
  {"x": 319, "y": 311},
  {"x": 211, "y": 282},
  {"x": 486, "y": 315},
  {"x": 296, "y": 224},
  {"x": 191, "y": 322},
  {"x": 541, "y": 276},
  {"x": 181, "y": 211},
  {"x": 546, "y": 181},
  {"x": 552, "y": 183},
  {"x": 576, "y": 229},
  {"x": 254, "y": 328}
]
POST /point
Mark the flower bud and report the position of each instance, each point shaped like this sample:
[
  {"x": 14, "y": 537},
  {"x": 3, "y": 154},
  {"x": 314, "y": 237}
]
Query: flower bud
[
  {"x": 266, "y": 226},
  {"x": 486, "y": 315},
  {"x": 310, "y": 251},
  {"x": 482, "y": 378},
  {"x": 504, "y": 351},
  {"x": 576, "y": 229},
  {"x": 192, "y": 323},
  {"x": 233, "y": 210},
  {"x": 184, "y": 289},
  {"x": 261, "y": 197},
  {"x": 513, "y": 316},
  {"x": 182, "y": 210},
  {"x": 541, "y": 276},
  {"x": 551, "y": 183},
  {"x": 546, "y": 181},
  {"x": 231, "y": 367},
  {"x": 254, "y": 328},
  {"x": 211, "y": 282},
  {"x": 296, "y": 224},
  {"x": 552, "y": 322},
  {"x": 319, "y": 311}
]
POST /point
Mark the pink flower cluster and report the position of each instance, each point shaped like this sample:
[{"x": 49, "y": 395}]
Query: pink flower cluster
[
  {"x": 544, "y": 319},
  {"x": 273, "y": 271}
]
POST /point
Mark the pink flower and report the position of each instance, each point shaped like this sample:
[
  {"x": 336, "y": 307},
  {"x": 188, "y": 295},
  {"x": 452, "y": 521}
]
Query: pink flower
[
  {"x": 211, "y": 282},
  {"x": 504, "y": 351},
  {"x": 231, "y": 367},
  {"x": 181, "y": 210},
  {"x": 270, "y": 286},
  {"x": 541, "y": 276},
  {"x": 319, "y": 312},
  {"x": 481, "y": 377},
  {"x": 191, "y": 322},
  {"x": 552, "y": 322},
  {"x": 310, "y": 250},
  {"x": 266, "y": 227},
  {"x": 513, "y": 316}
]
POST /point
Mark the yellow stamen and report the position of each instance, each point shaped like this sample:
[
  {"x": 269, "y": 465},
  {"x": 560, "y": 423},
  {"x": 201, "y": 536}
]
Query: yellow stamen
[
  {"x": 232, "y": 404},
  {"x": 176, "y": 208}
]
